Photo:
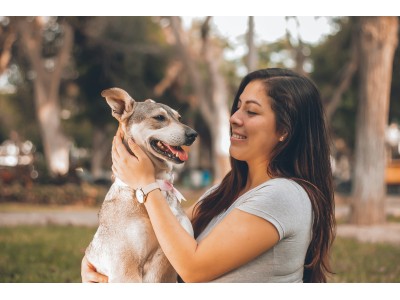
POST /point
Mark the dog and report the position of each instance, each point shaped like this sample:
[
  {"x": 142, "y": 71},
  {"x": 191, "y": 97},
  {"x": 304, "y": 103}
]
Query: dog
[{"x": 124, "y": 246}]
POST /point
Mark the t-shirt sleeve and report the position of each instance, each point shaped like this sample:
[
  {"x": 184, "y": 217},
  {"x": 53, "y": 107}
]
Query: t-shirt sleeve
[{"x": 280, "y": 202}]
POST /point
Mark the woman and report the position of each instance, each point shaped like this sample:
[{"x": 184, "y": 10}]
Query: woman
[{"x": 271, "y": 219}]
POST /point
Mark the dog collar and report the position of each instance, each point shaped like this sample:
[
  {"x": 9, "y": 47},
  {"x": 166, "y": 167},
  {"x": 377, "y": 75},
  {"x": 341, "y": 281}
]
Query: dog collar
[{"x": 167, "y": 186}]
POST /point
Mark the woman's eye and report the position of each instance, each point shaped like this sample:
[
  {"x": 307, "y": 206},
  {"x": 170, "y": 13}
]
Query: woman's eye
[
  {"x": 159, "y": 118},
  {"x": 251, "y": 112}
]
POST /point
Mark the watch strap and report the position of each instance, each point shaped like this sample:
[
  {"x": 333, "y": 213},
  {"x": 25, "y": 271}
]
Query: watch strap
[{"x": 151, "y": 187}]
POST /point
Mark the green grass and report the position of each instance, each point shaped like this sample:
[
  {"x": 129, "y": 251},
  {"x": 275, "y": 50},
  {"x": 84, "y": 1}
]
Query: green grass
[
  {"x": 353, "y": 261},
  {"x": 42, "y": 254},
  {"x": 54, "y": 253}
]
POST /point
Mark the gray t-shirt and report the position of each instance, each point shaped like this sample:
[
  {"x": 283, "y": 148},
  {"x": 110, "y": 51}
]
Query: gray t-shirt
[{"x": 286, "y": 205}]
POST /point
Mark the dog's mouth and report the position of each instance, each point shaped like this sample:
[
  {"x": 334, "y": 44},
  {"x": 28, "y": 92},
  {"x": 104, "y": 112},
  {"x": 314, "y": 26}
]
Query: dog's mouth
[{"x": 173, "y": 153}]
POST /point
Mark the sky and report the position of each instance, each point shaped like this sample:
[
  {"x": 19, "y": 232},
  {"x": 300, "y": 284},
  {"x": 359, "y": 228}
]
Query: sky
[
  {"x": 270, "y": 28},
  {"x": 267, "y": 29},
  {"x": 201, "y": 8}
]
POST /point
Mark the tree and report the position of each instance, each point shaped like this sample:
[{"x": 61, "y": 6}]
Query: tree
[
  {"x": 335, "y": 68},
  {"x": 109, "y": 53},
  {"x": 252, "y": 55},
  {"x": 8, "y": 36},
  {"x": 209, "y": 87},
  {"x": 378, "y": 39},
  {"x": 47, "y": 44}
]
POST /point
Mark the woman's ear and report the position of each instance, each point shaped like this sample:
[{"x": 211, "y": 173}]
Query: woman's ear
[{"x": 283, "y": 136}]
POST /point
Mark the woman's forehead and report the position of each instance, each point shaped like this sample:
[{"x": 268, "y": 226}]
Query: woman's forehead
[{"x": 255, "y": 92}]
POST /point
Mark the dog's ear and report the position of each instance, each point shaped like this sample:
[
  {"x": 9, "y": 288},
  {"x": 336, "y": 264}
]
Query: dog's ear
[{"x": 120, "y": 101}]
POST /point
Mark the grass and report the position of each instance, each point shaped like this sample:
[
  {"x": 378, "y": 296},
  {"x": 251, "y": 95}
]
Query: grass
[
  {"x": 54, "y": 253},
  {"x": 42, "y": 254},
  {"x": 353, "y": 261}
]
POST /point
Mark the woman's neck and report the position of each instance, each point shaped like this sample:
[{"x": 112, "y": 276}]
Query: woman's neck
[{"x": 257, "y": 174}]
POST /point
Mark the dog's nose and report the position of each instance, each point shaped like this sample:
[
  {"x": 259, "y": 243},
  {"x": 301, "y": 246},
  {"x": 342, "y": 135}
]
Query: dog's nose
[{"x": 190, "y": 137}]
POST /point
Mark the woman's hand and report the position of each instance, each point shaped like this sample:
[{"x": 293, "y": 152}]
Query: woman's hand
[
  {"x": 136, "y": 171},
  {"x": 89, "y": 273}
]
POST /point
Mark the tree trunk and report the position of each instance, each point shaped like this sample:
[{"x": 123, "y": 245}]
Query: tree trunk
[
  {"x": 47, "y": 77},
  {"x": 211, "y": 100},
  {"x": 101, "y": 148},
  {"x": 378, "y": 41},
  {"x": 7, "y": 39},
  {"x": 55, "y": 144},
  {"x": 252, "y": 55},
  {"x": 297, "y": 49},
  {"x": 220, "y": 125}
]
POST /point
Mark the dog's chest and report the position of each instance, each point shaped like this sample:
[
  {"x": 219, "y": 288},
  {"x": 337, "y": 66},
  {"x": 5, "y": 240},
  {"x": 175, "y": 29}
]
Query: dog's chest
[
  {"x": 120, "y": 207},
  {"x": 125, "y": 239}
]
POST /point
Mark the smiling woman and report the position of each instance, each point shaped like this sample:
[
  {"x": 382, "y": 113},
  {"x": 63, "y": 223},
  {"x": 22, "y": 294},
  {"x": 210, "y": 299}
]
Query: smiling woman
[{"x": 281, "y": 173}]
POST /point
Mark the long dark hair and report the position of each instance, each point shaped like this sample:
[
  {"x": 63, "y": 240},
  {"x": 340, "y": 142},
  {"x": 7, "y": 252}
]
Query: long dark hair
[{"x": 303, "y": 157}]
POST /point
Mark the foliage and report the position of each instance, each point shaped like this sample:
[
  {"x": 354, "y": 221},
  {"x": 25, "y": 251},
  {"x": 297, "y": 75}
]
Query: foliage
[
  {"x": 115, "y": 51},
  {"x": 65, "y": 194},
  {"x": 128, "y": 52},
  {"x": 329, "y": 59},
  {"x": 53, "y": 254}
]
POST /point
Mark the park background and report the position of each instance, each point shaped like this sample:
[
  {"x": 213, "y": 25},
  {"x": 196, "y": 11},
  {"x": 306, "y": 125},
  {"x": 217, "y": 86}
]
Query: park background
[{"x": 56, "y": 130}]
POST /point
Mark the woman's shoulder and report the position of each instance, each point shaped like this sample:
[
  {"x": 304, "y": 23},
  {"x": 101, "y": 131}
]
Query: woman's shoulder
[
  {"x": 282, "y": 191},
  {"x": 282, "y": 202},
  {"x": 279, "y": 184}
]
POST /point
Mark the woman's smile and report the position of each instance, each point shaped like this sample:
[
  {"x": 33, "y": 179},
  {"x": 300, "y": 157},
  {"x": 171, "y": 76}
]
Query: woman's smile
[{"x": 237, "y": 137}]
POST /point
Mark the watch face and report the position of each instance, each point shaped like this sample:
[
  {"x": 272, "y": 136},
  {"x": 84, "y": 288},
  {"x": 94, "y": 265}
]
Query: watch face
[{"x": 139, "y": 195}]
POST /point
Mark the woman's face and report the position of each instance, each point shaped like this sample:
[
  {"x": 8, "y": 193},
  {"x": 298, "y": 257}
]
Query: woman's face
[{"x": 253, "y": 125}]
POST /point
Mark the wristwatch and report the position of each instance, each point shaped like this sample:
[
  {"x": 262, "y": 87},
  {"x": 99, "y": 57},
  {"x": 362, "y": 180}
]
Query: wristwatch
[{"x": 141, "y": 193}]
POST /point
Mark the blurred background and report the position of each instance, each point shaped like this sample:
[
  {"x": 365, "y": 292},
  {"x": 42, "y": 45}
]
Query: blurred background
[{"x": 56, "y": 130}]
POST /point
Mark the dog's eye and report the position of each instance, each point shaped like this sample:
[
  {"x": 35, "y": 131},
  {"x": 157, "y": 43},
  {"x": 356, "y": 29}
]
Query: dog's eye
[{"x": 159, "y": 118}]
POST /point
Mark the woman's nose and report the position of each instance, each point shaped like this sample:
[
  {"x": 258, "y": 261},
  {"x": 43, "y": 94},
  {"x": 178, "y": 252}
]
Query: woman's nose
[{"x": 235, "y": 119}]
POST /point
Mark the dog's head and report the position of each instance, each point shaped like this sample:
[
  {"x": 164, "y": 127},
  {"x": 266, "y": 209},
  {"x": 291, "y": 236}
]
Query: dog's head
[{"x": 155, "y": 127}]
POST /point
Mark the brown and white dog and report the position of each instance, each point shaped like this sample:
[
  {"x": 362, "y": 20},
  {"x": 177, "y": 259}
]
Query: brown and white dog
[{"x": 125, "y": 247}]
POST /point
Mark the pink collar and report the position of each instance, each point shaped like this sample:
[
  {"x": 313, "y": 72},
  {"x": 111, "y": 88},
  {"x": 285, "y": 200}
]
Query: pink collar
[{"x": 167, "y": 186}]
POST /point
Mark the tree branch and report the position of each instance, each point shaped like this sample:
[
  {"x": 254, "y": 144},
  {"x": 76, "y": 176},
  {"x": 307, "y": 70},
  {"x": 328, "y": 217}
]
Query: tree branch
[{"x": 345, "y": 78}]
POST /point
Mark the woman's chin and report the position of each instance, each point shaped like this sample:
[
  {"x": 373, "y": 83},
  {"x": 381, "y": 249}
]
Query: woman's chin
[{"x": 234, "y": 153}]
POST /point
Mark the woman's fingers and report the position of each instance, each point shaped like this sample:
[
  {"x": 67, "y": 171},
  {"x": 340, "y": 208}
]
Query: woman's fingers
[
  {"x": 136, "y": 150},
  {"x": 120, "y": 150},
  {"x": 89, "y": 273},
  {"x": 94, "y": 277}
]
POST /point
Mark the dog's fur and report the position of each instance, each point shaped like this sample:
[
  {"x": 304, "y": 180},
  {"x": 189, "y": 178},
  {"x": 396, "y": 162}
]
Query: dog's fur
[{"x": 125, "y": 247}]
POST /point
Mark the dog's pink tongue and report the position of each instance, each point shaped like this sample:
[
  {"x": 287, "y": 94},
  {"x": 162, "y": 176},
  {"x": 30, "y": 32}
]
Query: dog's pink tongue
[{"x": 183, "y": 156}]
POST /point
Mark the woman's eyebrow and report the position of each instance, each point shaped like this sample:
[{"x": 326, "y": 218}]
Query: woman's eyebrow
[{"x": 250, "y": 101}]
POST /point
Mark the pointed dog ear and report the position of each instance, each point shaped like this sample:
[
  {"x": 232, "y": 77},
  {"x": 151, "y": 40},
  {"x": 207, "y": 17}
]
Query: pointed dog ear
[{"x": 120, "y": 101}]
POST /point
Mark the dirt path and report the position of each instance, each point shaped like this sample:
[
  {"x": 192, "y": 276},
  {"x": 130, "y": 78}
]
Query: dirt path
[{"x": 389, "y": 232}]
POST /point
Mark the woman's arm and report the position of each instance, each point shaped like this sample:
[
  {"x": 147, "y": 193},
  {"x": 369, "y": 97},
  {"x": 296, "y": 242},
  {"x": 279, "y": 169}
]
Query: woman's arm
[
  {"x": 239, "y": 238},
  {"x": 189, "y": 211}
]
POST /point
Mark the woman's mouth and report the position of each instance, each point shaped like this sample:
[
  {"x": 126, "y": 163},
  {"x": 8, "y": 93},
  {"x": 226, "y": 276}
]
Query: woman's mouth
[{"x": 238, "y": 137}]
